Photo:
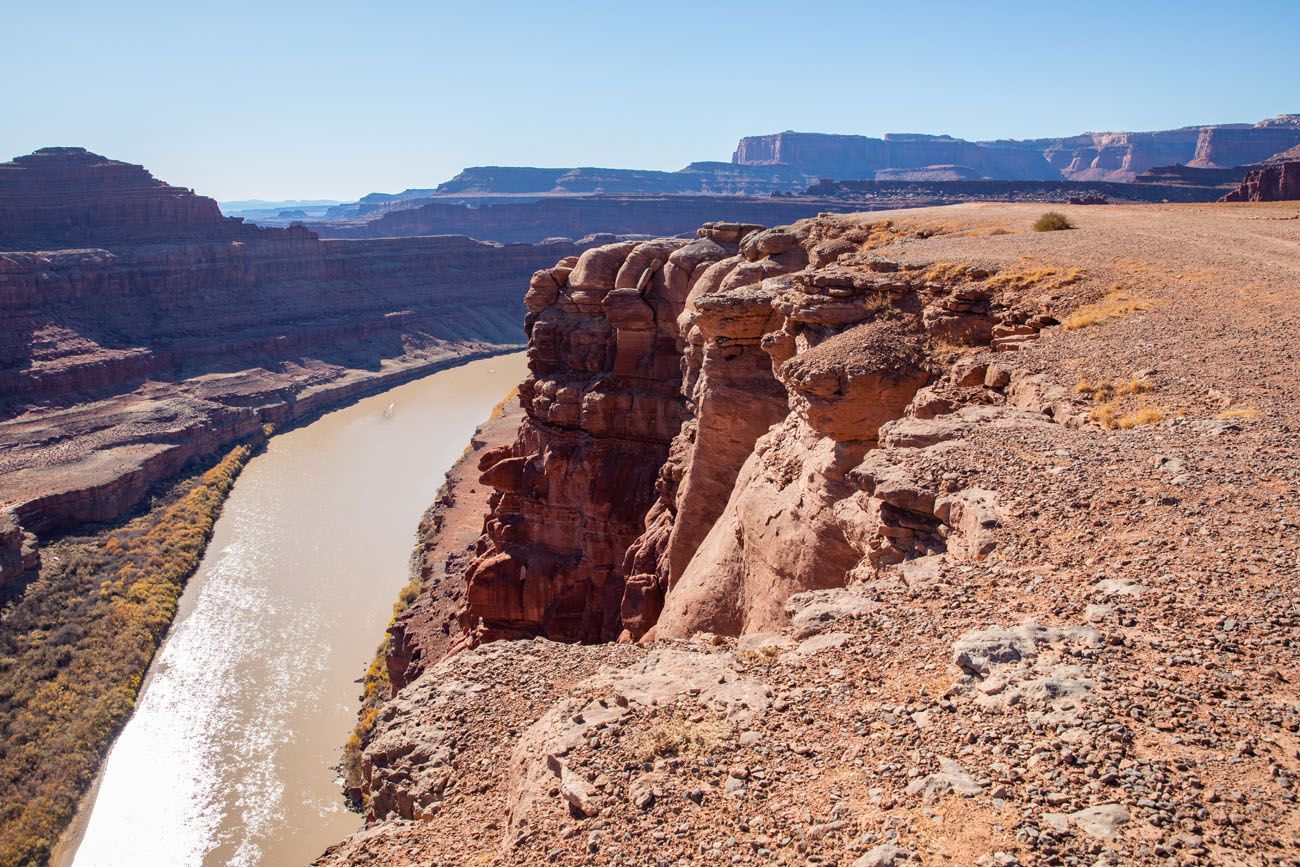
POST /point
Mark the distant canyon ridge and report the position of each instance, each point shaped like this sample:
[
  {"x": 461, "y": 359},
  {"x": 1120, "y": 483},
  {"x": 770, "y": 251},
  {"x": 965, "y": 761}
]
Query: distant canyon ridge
[{"x": 788, "y": 175}]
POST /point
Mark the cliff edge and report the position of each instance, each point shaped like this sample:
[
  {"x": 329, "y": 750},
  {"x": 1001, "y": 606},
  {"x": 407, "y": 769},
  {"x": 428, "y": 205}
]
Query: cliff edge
[{"x": 914, "y": 537}]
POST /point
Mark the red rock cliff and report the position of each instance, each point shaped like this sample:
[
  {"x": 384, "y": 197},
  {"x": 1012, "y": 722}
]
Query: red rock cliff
[
  {"x": 67, "y": 196},
  {"x": 1277, "y": 182},
  {"x": 697, "y": 415}
]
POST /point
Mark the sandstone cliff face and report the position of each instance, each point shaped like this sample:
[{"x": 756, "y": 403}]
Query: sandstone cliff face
[
  {"x": 18, "y": 549},
  {"x": 1276, "y": 182},
  {"x": 698, "y": 415},
  {"x": 1110, "y": 156}
]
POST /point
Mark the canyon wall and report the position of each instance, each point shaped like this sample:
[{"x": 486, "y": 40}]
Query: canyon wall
[
  {"x": 700, "y": 417},
  {"x": 576, "y": 217},
  {"x": 850, "y": 156},
  {"x": 1044, "y": 586},
  {"x": 140, "y": 329},
  {"x": 1155, "y": 187},
  {"x": 67, "y": 197},
  {"x": 1275, "y": 182},
  {"x": 700, "y": 177},
  {"x": 1111, "y": 156}
]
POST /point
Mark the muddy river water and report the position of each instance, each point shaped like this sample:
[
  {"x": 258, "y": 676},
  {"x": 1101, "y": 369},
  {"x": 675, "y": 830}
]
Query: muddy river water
[{"x": 229, "y": 758}]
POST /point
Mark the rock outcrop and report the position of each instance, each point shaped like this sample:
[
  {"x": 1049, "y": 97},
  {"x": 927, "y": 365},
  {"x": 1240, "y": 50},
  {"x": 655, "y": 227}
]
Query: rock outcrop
[
  {"x": 1275, "y": 182},
  {"x": 19, "y": 552},
  {"x": 68, "y": 197},
  {"x": 696, "y": 416}
]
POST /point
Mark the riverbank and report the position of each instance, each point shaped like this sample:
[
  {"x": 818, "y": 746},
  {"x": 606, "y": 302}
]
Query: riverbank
[
  {"x": 74, "y": 648},
  {"x": 238, "y": 726},
  {"x": 93, "y": 462},
  {"x": 424, "y": 626}
]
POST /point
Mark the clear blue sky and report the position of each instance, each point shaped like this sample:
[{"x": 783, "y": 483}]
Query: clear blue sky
[{"x": 335, "y": 99}]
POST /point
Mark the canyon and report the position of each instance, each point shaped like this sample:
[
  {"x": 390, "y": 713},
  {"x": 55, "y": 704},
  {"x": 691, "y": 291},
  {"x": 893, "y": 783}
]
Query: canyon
[
  {"x": 812, "y": 535},
  {"x": 873, "y": 538},
  {"x": 140, "y": 329},
  {"x": 788, "y": 162}
]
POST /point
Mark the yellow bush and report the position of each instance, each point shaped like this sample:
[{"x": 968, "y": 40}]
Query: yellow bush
[
  {"x": 677, "y": 736},
  {"x": 1109, "y": 416}
]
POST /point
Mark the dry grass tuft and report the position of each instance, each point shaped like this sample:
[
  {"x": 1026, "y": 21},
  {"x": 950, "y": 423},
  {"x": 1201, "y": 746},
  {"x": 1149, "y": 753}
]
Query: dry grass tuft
[
  {"x": 1052, "y": 221},
  {"x": 885, "y": 232},
  {"x": 1110, "y": 410},
  {"x": 500, "y": 408},
  {"x": 948, "y": 351},
  {"x": 1111, "y": 417},
  {"x": 1117, "y": 303},
  {"x": 1243, "y": 413},
  {"x": 1106, "y": 391},
  {"x": 677, "y": 736},
  {"x": 954, "y": 272},
  {"x": 1045, "y": 279}
]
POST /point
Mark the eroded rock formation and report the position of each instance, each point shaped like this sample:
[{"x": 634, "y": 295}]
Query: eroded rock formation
[
  {"x": 1275, "y": 182},
  {"x": 1061, "y": 638},
  {"x": 697, "y": 413}
]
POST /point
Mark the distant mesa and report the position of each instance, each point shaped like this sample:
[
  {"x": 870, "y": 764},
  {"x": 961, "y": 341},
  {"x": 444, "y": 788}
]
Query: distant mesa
[
  {"x": 1197, "y": 163},
  {"x": 1109, "y": 156},
  {"x": 68, "y": 196}
]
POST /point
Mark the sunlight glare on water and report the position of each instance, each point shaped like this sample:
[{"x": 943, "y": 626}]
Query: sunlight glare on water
[{"x": 229, "y": 757}]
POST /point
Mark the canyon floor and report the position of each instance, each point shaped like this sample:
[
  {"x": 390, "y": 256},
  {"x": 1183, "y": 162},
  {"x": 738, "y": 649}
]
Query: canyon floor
[{"x": 1087, "y": 656}]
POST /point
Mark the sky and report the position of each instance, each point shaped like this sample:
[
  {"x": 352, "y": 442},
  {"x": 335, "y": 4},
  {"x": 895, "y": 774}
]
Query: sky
[{"x": 282, "y": 99}]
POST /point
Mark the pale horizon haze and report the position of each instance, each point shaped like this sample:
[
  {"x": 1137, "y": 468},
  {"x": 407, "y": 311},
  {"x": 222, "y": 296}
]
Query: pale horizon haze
[{"x": 296, "y": 100}]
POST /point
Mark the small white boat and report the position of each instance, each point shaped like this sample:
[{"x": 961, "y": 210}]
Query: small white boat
[{"x": 388, "y": 411}]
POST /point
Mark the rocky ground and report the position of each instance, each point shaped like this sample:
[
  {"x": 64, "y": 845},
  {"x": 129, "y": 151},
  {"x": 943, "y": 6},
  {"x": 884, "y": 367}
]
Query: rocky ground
[
  {"x": 1070, "y": 633},
  {"x": 427, "y": 630}
]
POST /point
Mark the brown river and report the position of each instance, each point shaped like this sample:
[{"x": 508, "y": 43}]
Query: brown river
[{"x": 229, "y": 758}]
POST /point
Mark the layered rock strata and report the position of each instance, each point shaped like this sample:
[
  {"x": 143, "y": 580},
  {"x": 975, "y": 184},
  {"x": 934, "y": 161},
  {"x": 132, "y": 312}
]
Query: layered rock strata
[
  {"x": 140, "y": 329},
  {"x": 696, "y": 418},
  {"x": 1275, "y": 182},
  {"x": 572, "y": 216},
  {"x": 1109, "y": 156}
]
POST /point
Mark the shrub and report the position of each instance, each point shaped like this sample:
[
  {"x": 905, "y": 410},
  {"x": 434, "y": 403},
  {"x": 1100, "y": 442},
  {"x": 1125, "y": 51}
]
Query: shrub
[
  {"x": 1109, "y": 416},
  {"x": 1038, "y": 279},
  {"x": 1052, "y": 221}
]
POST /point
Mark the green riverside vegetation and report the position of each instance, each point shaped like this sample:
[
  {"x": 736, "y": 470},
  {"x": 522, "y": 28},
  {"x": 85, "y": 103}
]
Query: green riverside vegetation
[{"x": 74, "y": 648}]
